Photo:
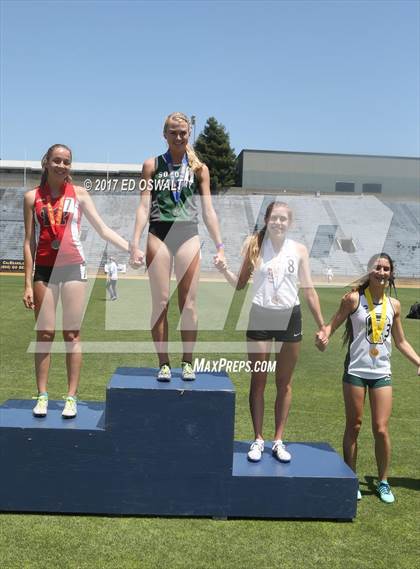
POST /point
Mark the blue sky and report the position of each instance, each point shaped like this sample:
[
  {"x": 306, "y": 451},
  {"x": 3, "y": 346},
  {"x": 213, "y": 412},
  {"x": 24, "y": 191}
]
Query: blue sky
[{"x": 305, "y": 76}]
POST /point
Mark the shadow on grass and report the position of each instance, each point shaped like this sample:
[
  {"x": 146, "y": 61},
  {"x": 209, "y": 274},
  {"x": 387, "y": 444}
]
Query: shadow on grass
[{"x": 409, "y": 483}]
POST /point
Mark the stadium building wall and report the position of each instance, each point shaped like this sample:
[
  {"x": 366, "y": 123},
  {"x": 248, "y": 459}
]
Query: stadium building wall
[{"x": 304, "y": 172}]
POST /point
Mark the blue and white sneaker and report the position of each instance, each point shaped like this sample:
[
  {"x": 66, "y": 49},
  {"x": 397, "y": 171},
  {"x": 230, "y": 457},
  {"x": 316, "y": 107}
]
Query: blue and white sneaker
[{"x": 385, "y": 493}]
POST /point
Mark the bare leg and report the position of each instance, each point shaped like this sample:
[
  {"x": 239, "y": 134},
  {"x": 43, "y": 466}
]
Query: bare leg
[
  {"x": 187, "y": 271},
  {"x": 258, "y": 351},
  {"x": 159, "y": 263},
  {"x": 45, "y": 299},
  {"x": 73, "y": 301},
  {"x": 354, "y": 399},
  {"x": 381, "y": 407},
  {"x": 286, "y": 359}
]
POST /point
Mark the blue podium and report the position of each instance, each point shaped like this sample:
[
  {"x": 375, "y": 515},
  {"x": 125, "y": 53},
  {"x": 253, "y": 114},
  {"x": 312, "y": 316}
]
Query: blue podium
[{"x": 161, "y": 449}]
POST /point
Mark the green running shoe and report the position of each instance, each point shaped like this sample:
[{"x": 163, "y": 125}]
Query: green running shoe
[
  {"x": 70, "y": 408},
  {"x": 41, "y": 407}
]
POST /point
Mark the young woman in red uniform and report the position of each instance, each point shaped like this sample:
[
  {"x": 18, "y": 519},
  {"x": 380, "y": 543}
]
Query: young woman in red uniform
[{"x": 55, "y": 267}]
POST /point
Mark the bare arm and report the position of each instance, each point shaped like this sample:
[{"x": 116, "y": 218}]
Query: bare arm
[
  {"x": 400, "y": 341},
  {"x": 142, "y": 212},
  {"x": 29, "y": 247},
  {"x": 105, "y": 232},
  {"x": 311, "y": 296},
  {"x": 348, "y": 305},
  {"x": 209, "y": 215}
]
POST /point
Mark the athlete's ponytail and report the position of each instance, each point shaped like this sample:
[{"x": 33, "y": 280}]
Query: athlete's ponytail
[{"x": 193, "y": 160}]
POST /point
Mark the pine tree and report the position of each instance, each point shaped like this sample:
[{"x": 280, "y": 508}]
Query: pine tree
[{"x": 213, "y": 148}]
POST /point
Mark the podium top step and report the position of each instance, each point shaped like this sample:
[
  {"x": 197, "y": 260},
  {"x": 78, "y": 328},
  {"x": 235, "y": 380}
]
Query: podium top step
[{"x": 145, "y": 378}]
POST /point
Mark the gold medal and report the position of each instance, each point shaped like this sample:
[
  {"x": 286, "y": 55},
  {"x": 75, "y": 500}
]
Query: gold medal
[
  {"x": 377, "y": 327},
  {"x": 275, "y": 299}
]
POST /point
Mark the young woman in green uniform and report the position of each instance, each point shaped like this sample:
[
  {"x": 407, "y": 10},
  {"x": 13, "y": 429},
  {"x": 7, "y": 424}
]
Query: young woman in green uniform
[
  {"x": 372, "y": 319},
  {"x": 169, "y": 186}
]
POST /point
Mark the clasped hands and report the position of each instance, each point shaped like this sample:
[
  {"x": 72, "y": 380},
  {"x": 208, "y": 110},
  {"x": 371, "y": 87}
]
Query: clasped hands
[{"x": 137, "y": 257}]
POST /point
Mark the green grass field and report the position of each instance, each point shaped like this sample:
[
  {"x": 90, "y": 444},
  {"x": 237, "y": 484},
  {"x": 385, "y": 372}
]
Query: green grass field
[{"x": 381, "y": 536}]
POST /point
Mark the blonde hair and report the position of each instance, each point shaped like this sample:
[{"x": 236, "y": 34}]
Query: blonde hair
[
  {"x": 45, "y": 159},
  {"x": 193, "y": 160},
  {"x": 252, "y": 247}
]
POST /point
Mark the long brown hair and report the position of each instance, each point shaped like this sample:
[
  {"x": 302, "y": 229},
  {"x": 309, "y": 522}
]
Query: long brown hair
[
  {"x": 193, "y": 160},
  {"x": 363, "y": 285},
  {"x": 45, "y": 159},
  {"x": 252, "y": 249}
]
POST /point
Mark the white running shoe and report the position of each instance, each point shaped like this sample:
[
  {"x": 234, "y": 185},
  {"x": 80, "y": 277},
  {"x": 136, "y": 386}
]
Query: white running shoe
[
  {"x": 279, "y": 451},
  {"x": 187, "y": 371},
  {"x": 164, "y": 373},
  {"x": 256, "y": 450},
  {"x": 70, "y": 408},
  {"x": 359, "y": 494},
  {"x": 41, "y": 407}
]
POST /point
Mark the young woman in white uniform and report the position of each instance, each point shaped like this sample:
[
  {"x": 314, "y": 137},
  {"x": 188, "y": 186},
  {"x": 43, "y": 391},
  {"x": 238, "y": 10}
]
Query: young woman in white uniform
[{"x": 279, "y": 267}]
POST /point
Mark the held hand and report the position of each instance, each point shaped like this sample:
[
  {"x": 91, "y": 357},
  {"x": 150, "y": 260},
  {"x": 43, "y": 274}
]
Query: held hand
[
  {"x": 418, "y": 370},
  {"x": 28, "y": 298},
  {"x": 219, "y": 259},
  {"x": 137, "y": 257},
  {"x": 321, "y": 339},
  {"x": 219, "y": 263}
]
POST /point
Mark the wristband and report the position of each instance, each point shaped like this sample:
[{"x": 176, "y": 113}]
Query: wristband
[{"x": 220, "y": 246}]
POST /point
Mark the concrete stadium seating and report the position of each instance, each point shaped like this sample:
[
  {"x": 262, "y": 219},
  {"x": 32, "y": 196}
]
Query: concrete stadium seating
[{"x": 370, "y": 224}]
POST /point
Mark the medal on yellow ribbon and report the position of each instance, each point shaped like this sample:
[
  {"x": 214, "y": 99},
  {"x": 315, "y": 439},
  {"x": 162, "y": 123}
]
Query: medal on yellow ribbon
[{"x": 377, "y": 327}]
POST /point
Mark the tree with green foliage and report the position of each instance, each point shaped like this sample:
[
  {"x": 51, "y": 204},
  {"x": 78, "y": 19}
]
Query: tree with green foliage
[{"x": 213, "y": 148}]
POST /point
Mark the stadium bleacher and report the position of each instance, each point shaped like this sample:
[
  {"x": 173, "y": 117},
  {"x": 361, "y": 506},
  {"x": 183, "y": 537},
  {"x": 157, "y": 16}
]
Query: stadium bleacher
[{"x": 325, "y": 224}]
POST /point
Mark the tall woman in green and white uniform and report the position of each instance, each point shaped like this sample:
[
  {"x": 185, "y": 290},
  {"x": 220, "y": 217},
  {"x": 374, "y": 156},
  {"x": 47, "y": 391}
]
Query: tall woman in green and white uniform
[
  {"x": 371, "y": 319},
  {"x": 169, "y": 186}
]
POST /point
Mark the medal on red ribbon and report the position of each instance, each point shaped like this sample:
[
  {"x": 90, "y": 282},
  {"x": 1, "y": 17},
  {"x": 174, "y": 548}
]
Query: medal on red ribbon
[{"x": 55, "y": 218}]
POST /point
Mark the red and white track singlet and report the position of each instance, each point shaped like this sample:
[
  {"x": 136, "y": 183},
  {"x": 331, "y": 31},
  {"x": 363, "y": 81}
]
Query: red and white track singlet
[{"x": 67, "y": 231}]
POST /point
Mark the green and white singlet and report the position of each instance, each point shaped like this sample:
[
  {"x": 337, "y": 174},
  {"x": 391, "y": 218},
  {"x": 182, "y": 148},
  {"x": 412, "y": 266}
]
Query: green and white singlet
[
  {"x": 164, "y": 206},
  {"x": 359, "y": 360}
]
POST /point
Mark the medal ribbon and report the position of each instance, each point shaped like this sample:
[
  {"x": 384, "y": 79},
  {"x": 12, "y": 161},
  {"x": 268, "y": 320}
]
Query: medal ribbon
[
  {"x": 377, "y": 329},
  {"x": 275, "y": 270},
  {"x": 177, "y": 183},
  {"x": 55, "y": 219}
]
